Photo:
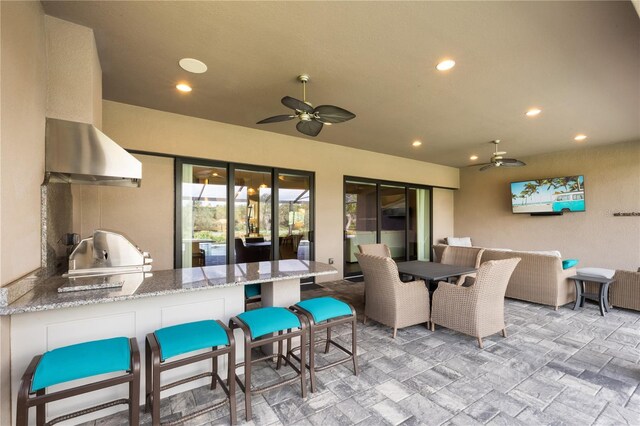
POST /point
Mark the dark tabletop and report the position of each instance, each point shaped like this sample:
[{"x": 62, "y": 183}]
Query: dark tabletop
[
  {"x": 259, "y": 244},
  {"x": 433, "y": 271},
  {"x": 601, "y": 280}
]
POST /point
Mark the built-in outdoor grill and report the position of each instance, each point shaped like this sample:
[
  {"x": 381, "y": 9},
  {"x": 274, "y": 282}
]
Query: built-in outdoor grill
[{"x": 107, "y": 253}]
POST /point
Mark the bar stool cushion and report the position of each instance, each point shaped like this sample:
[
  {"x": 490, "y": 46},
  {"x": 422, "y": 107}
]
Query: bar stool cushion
[
  {"x": 324, "y": 308},
  {"x": 269, "y": 320},
  {"x": 252, "y": 290},
  {"x": 182, "y": 338},
  {"x": 82, "y": 360}
]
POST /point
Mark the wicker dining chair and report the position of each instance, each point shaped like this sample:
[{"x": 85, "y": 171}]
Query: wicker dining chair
[
  {"x": 478, "y": 309},
  {"x": 375, "y": 249},
  {"x": 462, "y": 256},
  {"x": 390, "y": 301}
]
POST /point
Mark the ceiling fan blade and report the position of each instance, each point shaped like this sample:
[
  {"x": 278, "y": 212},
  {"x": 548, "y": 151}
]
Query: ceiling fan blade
[
  {"x": 296, "y": 104},
  {"x": 479, "y": 164},
  {"x": 512, "y": 162},
  {"x": 487, "y": 167},
  {"x": 309, "y": 128},
  {"x": 333, "y": 114},
  {"x": 276, "y": 119}
]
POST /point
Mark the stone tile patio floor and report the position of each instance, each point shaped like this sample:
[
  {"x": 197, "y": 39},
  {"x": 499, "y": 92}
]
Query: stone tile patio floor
[{"x": 556, "y": 367}]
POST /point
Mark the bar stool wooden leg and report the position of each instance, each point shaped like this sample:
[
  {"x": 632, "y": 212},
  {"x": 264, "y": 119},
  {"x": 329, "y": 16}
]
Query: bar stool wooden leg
[
  {"x": 40, "y": 411},
  {"x": 155, "y": 392},
  {"x": 312, "y": 357},
  {"x": 279, "y": 361},
  {"x": 134, "y": 387},
  {"x": 289, "y": 348},
  {"x": 328, "y": 345},
  {"x": 214, "y": 373},
  {"x": 247, "y": 376},
  {"x": 231, "y": 380},
  {"x": 354, "y": 345},
  {"x": 303, "y": 354},
  {"x": 148, "y": 382}
]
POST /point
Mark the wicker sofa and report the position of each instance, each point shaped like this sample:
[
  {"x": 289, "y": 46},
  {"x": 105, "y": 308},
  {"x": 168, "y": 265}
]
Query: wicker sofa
[{"x": 538, "y": 278}]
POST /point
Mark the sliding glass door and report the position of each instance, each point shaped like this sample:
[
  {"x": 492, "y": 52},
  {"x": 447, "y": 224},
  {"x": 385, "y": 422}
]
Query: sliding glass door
[
  {"x": 393, "y": 211},
  {"x": 252, "y": 215},
  {"x": 361, "y": 221},
  {"x": 203, "y": 215},
  {"x": 419, "y": 224},
  {"x": 228, "y": 213},
  {"x": 295, "y": 216},
  {"x": 395, "y": 214}
]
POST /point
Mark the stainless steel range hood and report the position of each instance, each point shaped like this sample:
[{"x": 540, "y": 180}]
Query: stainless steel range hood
[{"x": 80, "y": 153}]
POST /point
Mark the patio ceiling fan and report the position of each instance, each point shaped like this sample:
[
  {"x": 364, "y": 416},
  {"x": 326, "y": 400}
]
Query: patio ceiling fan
[
  {"x": 310, "y": 119},
  {"x": 497, "y": 160}
]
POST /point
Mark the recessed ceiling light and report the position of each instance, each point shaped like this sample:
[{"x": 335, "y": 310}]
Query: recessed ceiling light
[
  {"x": 473, "y": 157},
  {"x": 416, "y": 143},
  {"x": 446, "y": 65},
  {"x": 533, "y": 112},
  {"x": 580, "y": 137},
  {"x": 192, "y": 65},
  {"x": 183, "y": 87}
]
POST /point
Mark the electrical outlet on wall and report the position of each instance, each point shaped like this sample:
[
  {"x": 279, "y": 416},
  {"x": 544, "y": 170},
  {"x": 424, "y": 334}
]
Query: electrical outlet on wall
[{"x": 331, "y": 261}]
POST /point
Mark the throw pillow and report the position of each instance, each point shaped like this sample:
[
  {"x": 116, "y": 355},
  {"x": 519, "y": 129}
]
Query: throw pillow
[
  {"x": 459, "y": 241},
  {"x": 569, "y": 263},
  {"x": 597, "y": 272}
]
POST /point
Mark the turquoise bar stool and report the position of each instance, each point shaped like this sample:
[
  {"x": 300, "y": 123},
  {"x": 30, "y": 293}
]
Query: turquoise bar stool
[
  {"x": 260, "y": 327},
  {"x": 252, "y": 294},
  {"x": 326, "y": 313},
  {"x": 80, "y": 361},
  {"x": 181, "y": 339}
]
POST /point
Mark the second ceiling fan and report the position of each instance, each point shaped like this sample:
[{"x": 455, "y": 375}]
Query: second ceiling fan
[
  {"x": 310, "y": 119},
  {"x": 497, "y": 160}
]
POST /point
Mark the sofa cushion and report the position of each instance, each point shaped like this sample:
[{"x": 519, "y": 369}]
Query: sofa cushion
[
  {"x": 569, "y": 263},
  {"x": 597, "y": 272},
  {"x": 459, "y": 241}
]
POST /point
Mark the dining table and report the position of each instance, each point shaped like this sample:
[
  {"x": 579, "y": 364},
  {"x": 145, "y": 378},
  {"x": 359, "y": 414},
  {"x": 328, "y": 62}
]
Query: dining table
[{"x": 433, "y": 272}]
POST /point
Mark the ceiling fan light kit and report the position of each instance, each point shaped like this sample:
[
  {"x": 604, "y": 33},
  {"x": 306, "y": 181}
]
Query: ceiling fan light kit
[
  {"x": 498, "y": 160},
  {"x": 310, "y": 119}
]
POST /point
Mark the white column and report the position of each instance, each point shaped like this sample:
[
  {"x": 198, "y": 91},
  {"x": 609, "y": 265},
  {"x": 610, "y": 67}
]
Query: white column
[{"x": 283, "y": 294}]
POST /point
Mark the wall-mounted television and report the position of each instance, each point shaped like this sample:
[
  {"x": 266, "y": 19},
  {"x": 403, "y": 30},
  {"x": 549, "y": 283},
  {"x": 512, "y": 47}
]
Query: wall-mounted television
[{"x": 548, "y": 196}]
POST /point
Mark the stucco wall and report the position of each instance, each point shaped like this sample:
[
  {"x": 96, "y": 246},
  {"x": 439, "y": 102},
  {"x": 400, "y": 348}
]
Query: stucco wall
[
  {"x": 595, "y": 237},
  {"x": 144, "y": 129},
  {"x": 23, "y": 88},
  {"x": 137, "y": 212},
  {"x": 74, "y": 75},
  {"x": 443, "y": 204}
]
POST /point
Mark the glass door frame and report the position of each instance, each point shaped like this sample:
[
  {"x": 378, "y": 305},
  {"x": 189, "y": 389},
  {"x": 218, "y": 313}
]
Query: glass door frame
[
  {"x": 231, "y": 193},
  {"x": 177, "y": 235},
  {"x": 379, "y": 183},
  {"x": 231, "y": 169}
]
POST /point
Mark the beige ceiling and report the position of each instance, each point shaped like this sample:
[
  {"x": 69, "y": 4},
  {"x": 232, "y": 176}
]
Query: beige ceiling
[{"x": 578, "y": 61}]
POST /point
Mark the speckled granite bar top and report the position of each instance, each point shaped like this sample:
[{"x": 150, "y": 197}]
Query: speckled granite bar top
[{"x": 45, "y": 295}]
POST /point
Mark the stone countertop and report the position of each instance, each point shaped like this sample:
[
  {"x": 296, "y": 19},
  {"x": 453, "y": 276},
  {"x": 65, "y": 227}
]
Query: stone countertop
[{"x": 45, "y": 296}]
